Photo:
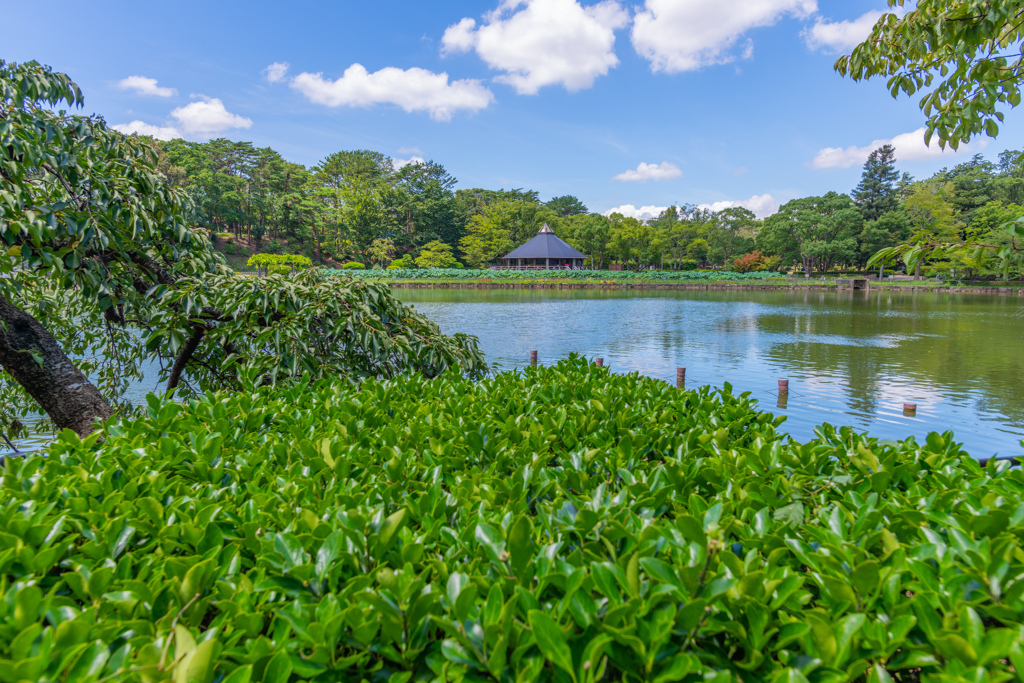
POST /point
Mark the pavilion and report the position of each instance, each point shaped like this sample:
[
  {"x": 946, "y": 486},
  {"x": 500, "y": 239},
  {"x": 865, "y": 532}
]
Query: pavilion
[{"x": 545, "y": 251}]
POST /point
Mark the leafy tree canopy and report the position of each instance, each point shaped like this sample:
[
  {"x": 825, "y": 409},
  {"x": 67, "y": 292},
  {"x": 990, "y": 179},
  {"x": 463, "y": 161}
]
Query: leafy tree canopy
[
  {"x": 567, "y": 206},
  {"x": 963, "y": 56},
  {"x": 98, "y": 254}
]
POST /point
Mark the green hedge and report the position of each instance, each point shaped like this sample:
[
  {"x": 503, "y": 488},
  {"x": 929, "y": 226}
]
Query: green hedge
[
  {"x": 264, "y": 259},
  {"x": 565, "y": 524},
  {"x": 474, "y": 274}
]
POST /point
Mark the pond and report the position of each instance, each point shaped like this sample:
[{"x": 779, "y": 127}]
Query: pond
[{"x": 851, "y": 357}]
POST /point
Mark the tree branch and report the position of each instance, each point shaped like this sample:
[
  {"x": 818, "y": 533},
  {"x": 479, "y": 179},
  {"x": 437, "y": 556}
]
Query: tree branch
[{"x": 187, "y": 351}]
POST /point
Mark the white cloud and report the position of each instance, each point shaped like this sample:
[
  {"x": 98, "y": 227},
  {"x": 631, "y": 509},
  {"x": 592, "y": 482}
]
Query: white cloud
[
  {"x": 645, "y": 172},
  {"x": 760, "y": 204},
  {"x": 843, "y": 36},
  {"x": 410, "y": 150},
  {"x": 142, "y": 128},
  {"x": 402, "y": 163},
  {"x": 643, "y": 213},
  {"x": 207, "y": 118},
  {"x": 145, "y": 86},
  {"x": 276, "y": 72},
  {"x": 909, "y": 147},
  {"x": 543, "y": 42},
  {"x": 411, "y": 89},
  {"x": 684, "y": 35}
]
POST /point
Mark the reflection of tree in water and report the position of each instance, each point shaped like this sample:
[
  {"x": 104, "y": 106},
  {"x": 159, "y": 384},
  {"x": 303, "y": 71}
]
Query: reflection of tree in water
[{"x": 965, "y": 347}]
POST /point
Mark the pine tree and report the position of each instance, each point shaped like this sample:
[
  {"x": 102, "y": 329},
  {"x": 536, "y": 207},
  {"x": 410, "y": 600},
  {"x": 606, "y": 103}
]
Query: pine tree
[{"x": 876, "y": 193}]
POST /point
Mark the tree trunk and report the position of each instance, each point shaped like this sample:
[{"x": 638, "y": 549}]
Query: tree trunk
[{"x": 60, "y": 388}]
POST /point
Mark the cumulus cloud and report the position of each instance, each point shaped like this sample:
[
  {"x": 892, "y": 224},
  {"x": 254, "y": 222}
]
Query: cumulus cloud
[
  {"x": 760, "y": 204},
  {"x": 276, "y": 72},
  {"x": 410, "y": 150},
  {"x": 411, "y": 89},
  {"x": 402, "y": 163},
  {"x": 645, "y": 172},
  {"x": 145, "y": 86},
  {"x": 207, "y": 118},
  {"x": 684, "y": 35},
  {"x": 643, "y": 213},
  {"x": 909, "y": 147},
  {"x": 840, "y": 36},
  {"x": 143, "y": 128},
  {"x": 543, "y": 42}
]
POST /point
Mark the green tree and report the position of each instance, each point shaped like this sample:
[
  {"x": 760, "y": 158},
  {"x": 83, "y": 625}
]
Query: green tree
[
  {"x": 98, "y": 255},
  {"x": 590, "y": 234},
  {"x": 730, "y": 233},
  {"x": 876, "y": 193},
  {"x": 631, "y": 242},
  {"x": 476, "y": 201},
  {"x": 818, "y": 232},
  {"x": 381, "y": 250},
  {"x": 963, "y": 57},
  {"x": 566, "y": 206},
  {"x": 436, "y": 254},
  {"x": 502, "y": 227},
  {"x": 892, "y": 227}
]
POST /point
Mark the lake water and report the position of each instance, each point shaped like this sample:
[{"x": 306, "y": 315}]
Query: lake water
[{"x": 851, "y": 358}]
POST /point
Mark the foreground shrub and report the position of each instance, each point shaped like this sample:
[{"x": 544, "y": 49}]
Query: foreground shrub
[{"x": 562, "y": 525}]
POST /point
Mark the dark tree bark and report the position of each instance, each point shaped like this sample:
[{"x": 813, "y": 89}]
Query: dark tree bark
[
  {"x": 184, "y": 356},
  {"x": 60, "y": 388}
]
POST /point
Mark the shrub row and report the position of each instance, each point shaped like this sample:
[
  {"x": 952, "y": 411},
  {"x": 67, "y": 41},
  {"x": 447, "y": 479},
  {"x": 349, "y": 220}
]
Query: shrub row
[
  {"x": 264, "y": 259},
  {"x": 474, "y": 274},
  {"x": 565, "y": 524}
]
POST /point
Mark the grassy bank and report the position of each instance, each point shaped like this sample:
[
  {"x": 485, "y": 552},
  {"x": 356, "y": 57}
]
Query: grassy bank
[
  {"x": 684, "y": 280},
  {"x": 565, "y": 524}
]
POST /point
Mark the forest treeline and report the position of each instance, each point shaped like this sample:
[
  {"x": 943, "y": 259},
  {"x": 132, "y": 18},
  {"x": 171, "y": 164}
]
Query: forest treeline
[{"x": 364, "y": 206}]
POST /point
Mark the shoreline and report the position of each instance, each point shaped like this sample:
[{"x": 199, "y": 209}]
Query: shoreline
[{"x": 703, "y": 286}]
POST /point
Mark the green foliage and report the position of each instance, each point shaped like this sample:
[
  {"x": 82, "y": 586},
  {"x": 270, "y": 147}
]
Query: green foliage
[
  {"x": 968, "y": 52},
  {"x": 303, "y": 328},
  {"x": 279, "y": 270},
  {"x": 567, "y": 205},
  {"x": 297, "y": 260},
  {"x": 231, "y": 249},
  {"x": 475, "y": 274},
  {"x": 436, "y": 254},
  {"x": 353, "y": 265},
  {"x": 820, "y": 232},
  {"x": 876, "y": 193},
  {"x": 381, "y": 250},
  {"x": 565, "y": 524},
  {"x": 405, "y": 261},
  {"x": 502, "y": 227}
]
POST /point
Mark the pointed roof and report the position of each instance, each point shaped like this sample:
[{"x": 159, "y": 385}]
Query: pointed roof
[{"x": 545, "y": 245}]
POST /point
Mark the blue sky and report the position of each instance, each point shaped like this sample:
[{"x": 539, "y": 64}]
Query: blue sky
[{"x": 623, "y": 105}]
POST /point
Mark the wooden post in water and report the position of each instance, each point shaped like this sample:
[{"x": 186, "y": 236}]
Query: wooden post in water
[
  {"x": 783, "y": 386},
  {"x": 533, "y": 358},
  {"x": 599, "y": 362},
  {"x": 680, "y": 378},
  {"x": 910, "y": 409}
]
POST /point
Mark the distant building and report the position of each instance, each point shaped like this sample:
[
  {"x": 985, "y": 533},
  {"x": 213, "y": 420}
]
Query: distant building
[{"x": 545, "y": 251}]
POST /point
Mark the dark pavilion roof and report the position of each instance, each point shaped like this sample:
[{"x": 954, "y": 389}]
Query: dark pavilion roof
[{"x": 545, "y": 245}]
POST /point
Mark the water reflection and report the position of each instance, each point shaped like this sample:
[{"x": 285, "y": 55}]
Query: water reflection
[{"x": 852, "y": 358}]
